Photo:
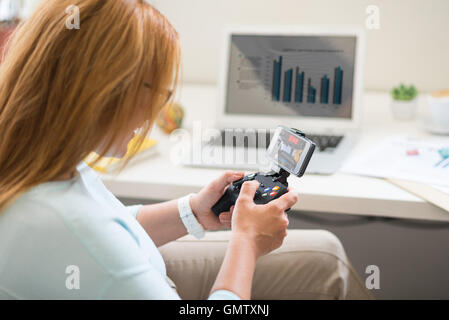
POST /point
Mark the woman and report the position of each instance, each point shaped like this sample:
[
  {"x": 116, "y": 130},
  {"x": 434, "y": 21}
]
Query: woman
[{"x": 65, "y": 93}]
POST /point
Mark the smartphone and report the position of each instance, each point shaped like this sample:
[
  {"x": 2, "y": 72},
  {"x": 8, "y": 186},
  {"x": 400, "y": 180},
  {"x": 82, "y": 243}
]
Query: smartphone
[{"x": 290, "y": 150}]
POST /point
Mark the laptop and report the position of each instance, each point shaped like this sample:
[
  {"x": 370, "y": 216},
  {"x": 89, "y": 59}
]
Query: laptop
[{"x": 305, "y": 78}]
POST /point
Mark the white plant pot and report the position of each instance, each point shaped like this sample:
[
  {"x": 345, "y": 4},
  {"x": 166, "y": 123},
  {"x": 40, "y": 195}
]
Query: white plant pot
[{"x": 404, "y": 110}]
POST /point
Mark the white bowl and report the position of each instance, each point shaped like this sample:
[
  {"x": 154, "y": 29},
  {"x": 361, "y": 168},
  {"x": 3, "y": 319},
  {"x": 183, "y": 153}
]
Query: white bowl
[{"x": 438, "y": 120}]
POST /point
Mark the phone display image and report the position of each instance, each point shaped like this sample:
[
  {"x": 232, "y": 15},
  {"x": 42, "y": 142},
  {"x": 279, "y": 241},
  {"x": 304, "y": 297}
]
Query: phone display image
[
  {"x": 290, "y": 150},
  {"x": 287, "y": 151}
]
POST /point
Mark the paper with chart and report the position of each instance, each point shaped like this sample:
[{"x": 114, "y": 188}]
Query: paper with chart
[{"x": 421, "y": 160}]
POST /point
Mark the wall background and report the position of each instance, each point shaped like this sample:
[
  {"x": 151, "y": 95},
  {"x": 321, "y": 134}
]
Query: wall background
[{"x": 411, "y": 46}]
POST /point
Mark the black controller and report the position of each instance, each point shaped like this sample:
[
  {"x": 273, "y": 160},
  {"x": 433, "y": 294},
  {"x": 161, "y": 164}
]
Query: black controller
[
  {"x": 272, "y": 186},
  {"x": 290, "y": 150}
]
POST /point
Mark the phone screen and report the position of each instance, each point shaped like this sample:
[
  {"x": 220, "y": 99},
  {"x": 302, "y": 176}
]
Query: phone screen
[{"x": 287, "y": 150}]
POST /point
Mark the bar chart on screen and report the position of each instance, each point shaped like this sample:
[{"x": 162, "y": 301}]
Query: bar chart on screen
[
  {"x": 292, "y": 75},
  {"x": 294, "y": 87}
]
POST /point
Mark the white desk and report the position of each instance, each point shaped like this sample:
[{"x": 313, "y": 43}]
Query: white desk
[{"x": 158, "y": 179}]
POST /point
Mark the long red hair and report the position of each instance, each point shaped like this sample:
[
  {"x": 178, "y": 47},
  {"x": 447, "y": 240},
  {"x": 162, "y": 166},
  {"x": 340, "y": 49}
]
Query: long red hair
[{"x": 65, "y": 92}]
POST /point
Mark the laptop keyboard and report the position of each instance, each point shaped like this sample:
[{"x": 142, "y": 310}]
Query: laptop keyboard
[
  {"x": 324, "y": 142},
  {"x": 263, "y": 138},
  {"x": 252, "y": 139}
]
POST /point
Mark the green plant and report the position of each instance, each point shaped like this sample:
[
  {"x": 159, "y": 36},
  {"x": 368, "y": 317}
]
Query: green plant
[{"x": 404, "y": 93}]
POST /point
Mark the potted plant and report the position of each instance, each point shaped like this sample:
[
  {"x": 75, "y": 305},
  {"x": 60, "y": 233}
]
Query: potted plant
[{"x": 404, "y": 102}]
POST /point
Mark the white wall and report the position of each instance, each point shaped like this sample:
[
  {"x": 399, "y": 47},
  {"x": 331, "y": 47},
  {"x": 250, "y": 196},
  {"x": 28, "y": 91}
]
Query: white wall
[
  {"x": 28, "y": 7},
  {"x": 411, "y": 46}
]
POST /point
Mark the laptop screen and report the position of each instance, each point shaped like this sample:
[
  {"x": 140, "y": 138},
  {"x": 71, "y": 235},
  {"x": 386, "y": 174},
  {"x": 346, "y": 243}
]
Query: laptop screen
[{"x": 283, "y": 75}]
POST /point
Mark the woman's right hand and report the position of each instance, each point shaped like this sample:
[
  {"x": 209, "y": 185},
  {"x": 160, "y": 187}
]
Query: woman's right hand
[{"x": 264, "y": 226}]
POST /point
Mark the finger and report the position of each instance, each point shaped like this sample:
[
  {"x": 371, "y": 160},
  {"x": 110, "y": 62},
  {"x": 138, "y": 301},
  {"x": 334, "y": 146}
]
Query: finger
[
  {"x": 225, "y": 217},
  {"x": 227, "y": 225},
  {"x": 287, "y": 221},
  {"x": 226, "y": 178},
  {"x": 287, "y": 200},
  {"x": 248, "y": 190},
  {"x": 231, "y": 210},
  {"x": 225, "y": 220}
]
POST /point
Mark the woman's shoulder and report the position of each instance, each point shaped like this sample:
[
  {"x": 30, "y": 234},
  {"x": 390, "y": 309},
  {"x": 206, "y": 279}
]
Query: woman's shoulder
[
  {"x": 58, "y": 198},
  {"x": 53, "y": 226},
  {"x": 82, "y": 207},
  {"x": 57, "y": 207},
  {"x": 73, "y": 198}
]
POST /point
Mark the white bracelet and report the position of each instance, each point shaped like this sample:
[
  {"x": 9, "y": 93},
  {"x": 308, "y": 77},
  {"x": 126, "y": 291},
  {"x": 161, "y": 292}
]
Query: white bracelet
[{"x": 188, "y": 218}]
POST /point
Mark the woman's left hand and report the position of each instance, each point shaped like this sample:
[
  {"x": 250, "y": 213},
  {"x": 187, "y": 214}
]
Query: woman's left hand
[{"x": 202, "y": 202}]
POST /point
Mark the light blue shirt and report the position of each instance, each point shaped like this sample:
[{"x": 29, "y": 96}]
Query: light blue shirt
[{"x": 74, "y": 239}]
